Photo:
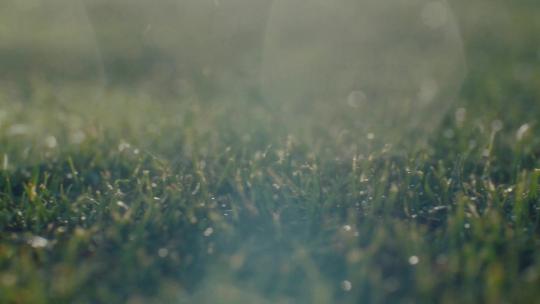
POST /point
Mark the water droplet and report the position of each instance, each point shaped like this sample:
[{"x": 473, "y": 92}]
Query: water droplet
[
  {"x": 5, "y": 162},
  {"x": 196, "y": 190},
  {"x": 438, "y": 208},
  {"x": 123, "y": 146},
  {"x": 208, "y": 232},
  {"x": 414, "y": 260},
  {"x": 522, "y": 131},
  {"x": 38, "y": 242},
  {"x": 122, "y": 205},
  {"x": 51, "y": 142},
  {"x": 356, "y": 99},
  {"x": 346, "y": 285},
  {"x": 163, "y": 252}
]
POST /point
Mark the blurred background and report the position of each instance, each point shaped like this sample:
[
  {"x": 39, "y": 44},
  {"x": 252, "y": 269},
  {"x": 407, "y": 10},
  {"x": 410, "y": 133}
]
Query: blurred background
[
  {"x": 173, "y": 47},
  {"x": 261, "y": 49},
  {"x": 207, "y": 48}
]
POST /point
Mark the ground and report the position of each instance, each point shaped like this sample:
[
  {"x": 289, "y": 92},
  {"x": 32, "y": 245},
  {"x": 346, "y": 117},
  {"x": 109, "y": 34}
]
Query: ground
[{"x": 109, "y": 196}]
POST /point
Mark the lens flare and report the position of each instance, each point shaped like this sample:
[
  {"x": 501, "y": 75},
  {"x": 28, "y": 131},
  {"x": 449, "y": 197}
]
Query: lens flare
[{"x": 397, "y": 64}]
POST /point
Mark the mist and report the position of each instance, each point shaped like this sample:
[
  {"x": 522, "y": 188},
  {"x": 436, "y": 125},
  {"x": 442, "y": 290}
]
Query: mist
[{"x": 389, "y": 54}]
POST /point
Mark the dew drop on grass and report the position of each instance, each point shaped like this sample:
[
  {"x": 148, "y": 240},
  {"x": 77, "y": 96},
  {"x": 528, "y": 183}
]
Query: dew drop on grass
[
  {"x": 38, "y": 242},
  {"x": 163, "y": 252},
  {"x": 414, "y": 260},
  {"x": 208, "y": 232},
  {"x": 51, "y": 142},
  {"x": 123, "y": 146},
  {"x": 522, "y": 131},
  {"x": 197, "y": 187},
  {"x": 5, "y": 162},
  {"x": 438, "y": 209},
  {"x": 122, "y": 205},
  {"x": 346, "y": 285},
  {"x": 356, "y": 99}
]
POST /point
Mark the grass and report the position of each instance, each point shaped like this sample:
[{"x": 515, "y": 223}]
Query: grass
[{"x": 122, "y": 198}]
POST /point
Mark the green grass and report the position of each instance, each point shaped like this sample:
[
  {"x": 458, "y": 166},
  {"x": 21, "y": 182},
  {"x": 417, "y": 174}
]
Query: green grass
[{"x": 124, "y": 198}]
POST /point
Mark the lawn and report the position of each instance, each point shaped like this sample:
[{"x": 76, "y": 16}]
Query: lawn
[{"x": 119, "y": 184}]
